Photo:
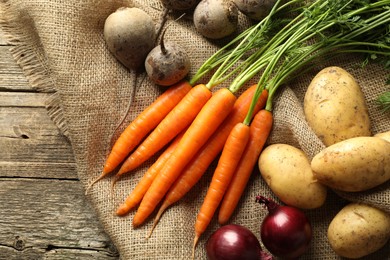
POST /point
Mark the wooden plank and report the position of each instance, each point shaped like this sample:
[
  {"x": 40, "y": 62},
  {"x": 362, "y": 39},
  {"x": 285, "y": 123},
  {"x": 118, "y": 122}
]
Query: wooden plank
[
  {"x": 54, "y": 254},
  {"x": 23, "y": 99},
  {"x": 11, "y": 75},
  {"x": 2, "y": 38},
  {"x": 7, "y": 62},
  {"x": 38, "y": 170},
  {"x": 32, "y": 146},
  {"x": 44, "y": 213},
  {"x": 26, "y": 122},
  {"x": 45, "y": 217}
]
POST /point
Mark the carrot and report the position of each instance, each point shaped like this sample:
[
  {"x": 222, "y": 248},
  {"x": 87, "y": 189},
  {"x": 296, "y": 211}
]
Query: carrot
[
  {"x": 202, "y": 160},
  {"x": 139, "y": 191},
  {"x": 204, "y": 125},
  {"x": 232, "y": 151},
  {"x": 260, "y": 129},
  {"x": 179, "y": 118},
  {"x": 143, "y": 124}
]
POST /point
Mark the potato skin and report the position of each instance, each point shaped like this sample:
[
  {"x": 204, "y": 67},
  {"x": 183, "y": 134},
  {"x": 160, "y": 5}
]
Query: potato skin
[
  {"x": 355, "y": 164},
  {"x": 335, "y": 107},
  {"x": 384, "y": 135},
  {"x": 358, "y": 230},
  {"x": 286, "y": 170}
]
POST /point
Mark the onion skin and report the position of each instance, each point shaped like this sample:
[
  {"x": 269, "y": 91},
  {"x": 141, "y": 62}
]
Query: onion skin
[
  {"x": 233, "y": 242},
  {"x": 286, "y": 231}
]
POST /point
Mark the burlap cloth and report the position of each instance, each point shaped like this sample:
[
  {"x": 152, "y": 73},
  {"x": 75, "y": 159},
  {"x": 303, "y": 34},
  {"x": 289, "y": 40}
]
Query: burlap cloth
[{"x": 60, "y": 46}]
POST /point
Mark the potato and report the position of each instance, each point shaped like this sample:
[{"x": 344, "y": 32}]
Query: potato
[
  {"x": 130, "y": 34},
  {"x": 384, "y": 135},
  {"x": 358, "y": 230},
  {"x": 355, "y": 164},
  {"x": 287, "y": 172},
  {"x": 335, "y": 107}
]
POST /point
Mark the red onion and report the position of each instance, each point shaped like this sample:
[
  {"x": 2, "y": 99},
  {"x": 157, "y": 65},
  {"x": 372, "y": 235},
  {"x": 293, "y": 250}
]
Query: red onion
[
  {"x": 234, "y": 242},
  {"x": 285, "y": 232}
]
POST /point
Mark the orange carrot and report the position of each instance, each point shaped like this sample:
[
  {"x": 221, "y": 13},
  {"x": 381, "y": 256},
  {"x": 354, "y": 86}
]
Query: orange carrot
[
  {"x": 143, "y": 124},
  {"x": 139, "y": 191},
  {"x": 202, "y": 160},
  {"x": 260, "y": 129},
  {"x": 179, "y": 118},
  {"x": 231, "y": 154},
  {"x": 204, "y": 125}
]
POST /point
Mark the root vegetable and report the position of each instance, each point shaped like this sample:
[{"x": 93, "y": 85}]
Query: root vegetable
[
  {"x": 129, "y": 34},
  {"x": 384, "y": 135},
  {"x": 359, "y": 230},
  {"x": 286, "y": 231},
  {"x": 286, "y": 170},
  {"x": 355, "y": 164},
  {"x": 167, "y": 63},
  {"x": 335, "y": 106},
  {"x": 234, "y": 242},
  {"x": 255, "y": 9},
  {"x": 203, "y": 126},
  {"x": 215, "y": 19}
]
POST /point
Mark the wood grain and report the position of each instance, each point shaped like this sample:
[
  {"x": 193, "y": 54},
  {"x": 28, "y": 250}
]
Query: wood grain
[
  {"x": 44, "y": 214},
  {"x": 11, "y": 75}
]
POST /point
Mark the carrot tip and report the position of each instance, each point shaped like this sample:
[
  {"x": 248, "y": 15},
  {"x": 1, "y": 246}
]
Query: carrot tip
[
  {"x": 162, "y": 209},
  {"x": 136, "y": 224},
  {"x": 223, "y": 219},
  {"x": 194, "y": 246},
  {"x": 123, "y": 210},
  {"x": 95, "y": 181},
  {"x": 116, "y": 178},
  {"x": 151, "y": 230},
  {"x": 154, "y": 225}
]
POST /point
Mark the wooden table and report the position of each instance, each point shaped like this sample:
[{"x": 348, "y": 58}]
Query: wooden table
[{"x": 43, "y": 211}]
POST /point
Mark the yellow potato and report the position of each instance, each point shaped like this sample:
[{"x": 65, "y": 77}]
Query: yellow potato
[
  {"x": 335, "y": 107},
  {"x": 355, "y": 164},
  {"x": 287, "y": 172},
  {"x": 358, "y": 230},
  {"x": 384, "y": 135}
]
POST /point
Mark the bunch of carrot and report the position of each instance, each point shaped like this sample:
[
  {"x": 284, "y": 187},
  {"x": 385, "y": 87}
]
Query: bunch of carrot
[
  {"x": 183, "y": 104},
  {"x": 196, "y": 125},
  {"x": 179, "y": 104}
]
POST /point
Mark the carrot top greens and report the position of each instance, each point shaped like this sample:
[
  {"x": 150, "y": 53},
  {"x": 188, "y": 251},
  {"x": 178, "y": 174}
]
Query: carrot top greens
[
  {"x": 279, "y": 48},
  {"x": 227, "y": 61},
  {"x": 330, "y": 28},
  {"x": 384, "y": 101}
]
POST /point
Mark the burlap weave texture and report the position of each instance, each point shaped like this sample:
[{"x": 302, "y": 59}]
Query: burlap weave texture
[{"x": 60, "y": 46}]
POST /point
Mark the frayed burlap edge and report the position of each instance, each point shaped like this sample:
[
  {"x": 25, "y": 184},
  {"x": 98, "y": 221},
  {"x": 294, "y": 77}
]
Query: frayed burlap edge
[{"x": 30, "y": 59}]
